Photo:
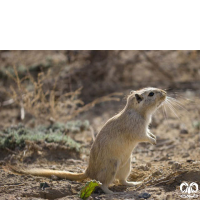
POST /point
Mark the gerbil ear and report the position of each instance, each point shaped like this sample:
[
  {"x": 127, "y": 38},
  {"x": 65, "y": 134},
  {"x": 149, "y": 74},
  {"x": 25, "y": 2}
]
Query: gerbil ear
[{"x": 138, "y": 97}]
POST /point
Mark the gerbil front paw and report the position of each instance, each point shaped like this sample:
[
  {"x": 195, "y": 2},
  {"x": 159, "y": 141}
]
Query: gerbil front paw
[
  {"x": 106, "y": 190},
  {"x": 154, "y": 142},
  {"x": 152, "y": 135},
  {"x": 151, "y": 140}
]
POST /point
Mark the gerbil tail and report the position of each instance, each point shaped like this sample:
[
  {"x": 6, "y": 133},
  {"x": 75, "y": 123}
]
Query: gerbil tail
[{"x": 45, "y": 172}]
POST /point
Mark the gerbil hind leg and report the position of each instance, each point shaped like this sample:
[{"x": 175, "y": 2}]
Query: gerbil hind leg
[
  {"x": 107, "y": 175},
  {"x": 123, "y": 174},
  {"x": 106, "y": 190}
]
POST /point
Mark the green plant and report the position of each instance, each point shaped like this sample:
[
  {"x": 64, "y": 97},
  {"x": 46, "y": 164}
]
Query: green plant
[
  {"x": 16, "y": 136},
  {"x": 89, "y": 187}
]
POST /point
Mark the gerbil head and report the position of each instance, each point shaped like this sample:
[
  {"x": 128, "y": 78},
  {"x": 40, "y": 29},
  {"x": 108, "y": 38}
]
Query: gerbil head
[{"x": 146, "y": 100}]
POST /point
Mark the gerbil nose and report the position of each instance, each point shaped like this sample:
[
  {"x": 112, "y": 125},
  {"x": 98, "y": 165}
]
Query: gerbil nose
[{"x": 163, "y": 94}]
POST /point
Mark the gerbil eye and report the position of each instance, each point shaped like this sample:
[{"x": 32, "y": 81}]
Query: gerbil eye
[{"x": 151, "y": 94}]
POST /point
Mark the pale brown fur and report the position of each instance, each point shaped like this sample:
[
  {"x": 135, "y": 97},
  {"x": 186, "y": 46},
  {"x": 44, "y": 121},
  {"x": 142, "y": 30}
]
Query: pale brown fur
[{"x": 110, "y": 155}]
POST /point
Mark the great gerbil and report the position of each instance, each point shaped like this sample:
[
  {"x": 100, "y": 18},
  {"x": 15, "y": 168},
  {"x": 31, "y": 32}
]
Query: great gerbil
[{"x": 110, "y": 155}]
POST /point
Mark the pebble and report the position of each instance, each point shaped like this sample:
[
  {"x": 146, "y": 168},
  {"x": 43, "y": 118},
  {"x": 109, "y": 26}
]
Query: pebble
[
  {"x": 196, "y": 162},
  {"x": 164, "y": 158},
  {"x": 185, "y": 155},
  {"x": 192, "y": 146},
  {"x": 53, "y": 167},
  {"x": 90, "y": 198},
  {"x": 10, "y": 175},
  {"x": 144, "y": 195},
  {"x": 184, "y": 131},
  {"x": 176, "y": 166},
  {"x": 145, "y": 168},
  {"x": 171, "y": 162},
  {"x": 37, "y": 179},
  {"x": 170, "y": 154},
  {"x": 190, "y": 161},
  {"x": 148, "y": 164},
  {"x": 158, "y": 193},
  {"x": 157, "y": 173},
  {"x": 55, "y": 178},
  {"x": 169, "y": 197},
  {"x": 2, "y": 163}
]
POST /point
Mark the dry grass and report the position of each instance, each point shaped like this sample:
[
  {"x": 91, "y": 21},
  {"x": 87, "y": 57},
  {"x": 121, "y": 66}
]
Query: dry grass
[{"x": 48, "y": 103}]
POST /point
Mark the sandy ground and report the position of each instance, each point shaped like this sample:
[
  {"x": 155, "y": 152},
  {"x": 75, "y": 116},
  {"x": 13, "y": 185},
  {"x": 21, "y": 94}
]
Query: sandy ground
[{"x": 162, "y": 168}]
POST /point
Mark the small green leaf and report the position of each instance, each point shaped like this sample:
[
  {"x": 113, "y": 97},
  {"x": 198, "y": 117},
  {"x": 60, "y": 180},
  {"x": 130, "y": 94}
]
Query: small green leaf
[{"x": 87, "y": 190}]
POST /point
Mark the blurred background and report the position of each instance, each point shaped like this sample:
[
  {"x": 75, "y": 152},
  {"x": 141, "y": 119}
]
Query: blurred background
[
  {"x": 39, "y": 83},
  {"x": 53, "y": 103}
]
